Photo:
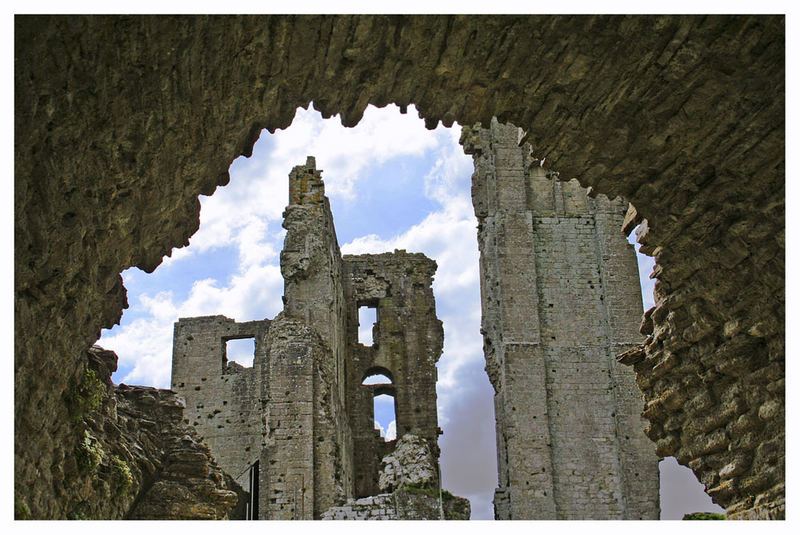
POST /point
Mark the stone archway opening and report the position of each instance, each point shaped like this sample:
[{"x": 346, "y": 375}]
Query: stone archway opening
[
  {"x": 641, "y": 139},
  {"x": 210, "y": 292},
  {"x": 416, "y": 197}
]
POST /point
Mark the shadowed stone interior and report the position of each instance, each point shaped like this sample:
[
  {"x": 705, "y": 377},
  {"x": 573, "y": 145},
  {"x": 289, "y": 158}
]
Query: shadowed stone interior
[{"x": 120, "y": 122}]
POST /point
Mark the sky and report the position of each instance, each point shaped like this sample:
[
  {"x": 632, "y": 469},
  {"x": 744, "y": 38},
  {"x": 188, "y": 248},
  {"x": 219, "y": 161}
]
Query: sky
[{"x": 392, "y": 184}]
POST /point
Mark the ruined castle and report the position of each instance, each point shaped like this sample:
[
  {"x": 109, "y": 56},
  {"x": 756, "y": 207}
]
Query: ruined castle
[
  {"x": 121, "y": 122},
  {"x": 297, "y": 428}
]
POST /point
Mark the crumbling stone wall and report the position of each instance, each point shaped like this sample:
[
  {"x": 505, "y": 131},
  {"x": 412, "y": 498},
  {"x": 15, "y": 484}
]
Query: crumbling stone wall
[
  {"x": 311, "y": 265},
  {"x": 120, "y": 122},
  {"x": 409, "y": 489},
  {"x": 300, "y": 414},
  {"x": 402, "y": 504},
  {"x": 407, "y": 343},
  {"x": 560, "y": 299},
  {"x": 133, "y": 456},
  {"x": 225, "y": 397}
]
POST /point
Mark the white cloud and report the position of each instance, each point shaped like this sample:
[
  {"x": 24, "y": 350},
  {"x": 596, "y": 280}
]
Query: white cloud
[
  {"x": 344, "y": 154},
  {"x": 391, "y": 431},
  {"x": 146, "y": 343},
  {"x": 380, "y": 428}
]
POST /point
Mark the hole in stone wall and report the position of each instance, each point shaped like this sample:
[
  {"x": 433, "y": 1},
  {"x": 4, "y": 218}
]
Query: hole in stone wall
[
  {"x": 646, "y": 264},
  {"x": 367, "y": 318},
  {"x": 377, "y": 379},
  {"x": 241, "y": 351},
  {"x": 392, "y": 184},
  {"x": 681, "y": 492},
  {"x": 384, "y": 416}
]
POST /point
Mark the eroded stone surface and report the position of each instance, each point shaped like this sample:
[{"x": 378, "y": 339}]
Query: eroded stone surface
[
  {"x": 120, "y": 122},
  {"x": 411, "y": 463},
  {"x": 297, "y": 428},
  {"x": 402, "y": 504},
  {"x": 133, "y": 457}
]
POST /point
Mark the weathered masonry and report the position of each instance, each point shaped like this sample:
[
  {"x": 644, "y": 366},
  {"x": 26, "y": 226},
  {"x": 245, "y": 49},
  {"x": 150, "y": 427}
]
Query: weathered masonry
[
  {"x": 121, "y": 122},
  {"x": 297, "y": 428},
  {"x": 560, "y": 299}
]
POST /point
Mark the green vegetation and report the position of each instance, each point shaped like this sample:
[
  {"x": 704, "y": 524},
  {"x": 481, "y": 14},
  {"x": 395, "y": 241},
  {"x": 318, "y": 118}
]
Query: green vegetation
[
  {"x": 703, "y": 516},
  {"x": 88, "y": 453},
  {"x": 121, "y": 473},
  {"x": 86, "y": 396},
  {"x": 21, "y": 510}
]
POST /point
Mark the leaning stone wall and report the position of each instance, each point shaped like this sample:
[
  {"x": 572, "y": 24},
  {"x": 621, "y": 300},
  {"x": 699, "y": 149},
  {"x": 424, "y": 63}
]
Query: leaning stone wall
[
  {"x": 561, "y": 299},
  {"x": 314, "y": 295},
  {"x": 120, "y": 122}
]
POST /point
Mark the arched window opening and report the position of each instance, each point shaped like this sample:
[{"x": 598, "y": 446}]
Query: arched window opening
[
  {"x": 377, "y": 379},
  {"x": 385, "y": 420},
  {"x": 378, "y": 375}
]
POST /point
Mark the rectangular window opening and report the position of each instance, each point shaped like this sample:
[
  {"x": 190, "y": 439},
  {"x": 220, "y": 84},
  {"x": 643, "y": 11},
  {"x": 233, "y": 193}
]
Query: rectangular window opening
[
  {"x": 240, "y": 351},
  {"x": 384, "y": 416},
  {"x": 367, "y": 318}
]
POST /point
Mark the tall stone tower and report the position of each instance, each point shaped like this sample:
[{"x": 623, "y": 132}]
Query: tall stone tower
[
  {"x": 296, "y": 429},
  {"x": 560, "y": 299}
]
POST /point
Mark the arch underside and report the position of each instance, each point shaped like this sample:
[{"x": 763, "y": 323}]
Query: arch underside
[{"x": 120, "y": 122}]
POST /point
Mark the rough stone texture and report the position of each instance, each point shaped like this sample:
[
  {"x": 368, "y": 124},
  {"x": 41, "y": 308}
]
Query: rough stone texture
[
  {"x": 402, "y": 504},
  {"x": 222, "y": 407},
  {"x": 410, "y": 464},
  {"x": 297, "y": 428},
  {"x": 134, "y": 457},
  {"x": 560, "y": 299},
  {"x": 120, "y": 122},
  {"x": 407, "y": 343}
]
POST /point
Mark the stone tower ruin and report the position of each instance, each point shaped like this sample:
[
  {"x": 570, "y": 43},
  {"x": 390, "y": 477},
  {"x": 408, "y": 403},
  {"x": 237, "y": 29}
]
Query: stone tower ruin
[
  {"x": 297, "y": 428},
  {"x": 560, "y": 299}
]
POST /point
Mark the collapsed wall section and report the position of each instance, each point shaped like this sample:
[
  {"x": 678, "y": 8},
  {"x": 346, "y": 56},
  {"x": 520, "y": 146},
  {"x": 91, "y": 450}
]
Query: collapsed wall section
[
  {"x": 134, "y": 457},
  {"x": 560, "y": 298}
]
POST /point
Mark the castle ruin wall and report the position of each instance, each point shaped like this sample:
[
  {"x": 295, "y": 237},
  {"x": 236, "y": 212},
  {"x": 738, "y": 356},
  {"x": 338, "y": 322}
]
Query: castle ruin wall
[
  {"x": 560, "y": 299},
  {"x": 121, "y": 122}
]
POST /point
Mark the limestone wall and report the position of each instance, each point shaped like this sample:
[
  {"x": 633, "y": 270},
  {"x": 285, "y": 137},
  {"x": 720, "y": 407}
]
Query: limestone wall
[
  {"x": 560, "y": 300},
  {"x": 120, "y": 122},
  {"x": 224, "y": 400},
  {"x": 407, "y": 343}
]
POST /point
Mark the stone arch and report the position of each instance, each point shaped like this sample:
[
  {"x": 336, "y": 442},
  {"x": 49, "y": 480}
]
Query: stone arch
[
  {"x": 377, "y": 370},
  {"x": 122, "y": 121}
]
